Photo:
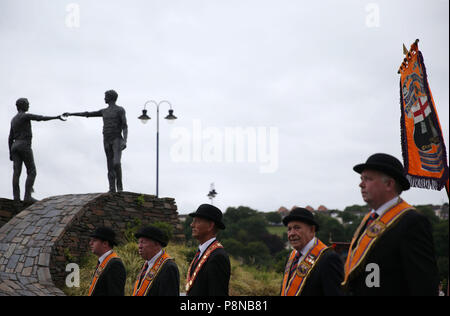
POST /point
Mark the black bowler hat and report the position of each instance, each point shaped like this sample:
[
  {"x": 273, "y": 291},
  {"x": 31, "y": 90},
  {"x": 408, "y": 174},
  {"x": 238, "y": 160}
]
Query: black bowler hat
[
  {"x": 386, "y": 164},
  {"x": 105, "y": 234},
  {"x": 211, "y": 213},
  {"x": 302, "y": 215},
  {"x": 153, "y": 233}
]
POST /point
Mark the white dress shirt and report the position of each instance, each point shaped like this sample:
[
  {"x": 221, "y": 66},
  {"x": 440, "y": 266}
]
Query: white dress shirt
[
  {"x": 152, "y": 261},
  {"x": 103, "y": 257},
  {"x": 306, "y": 249},
  {"x": 386, "y": 206},
  {"x": 205, "y": 245}
]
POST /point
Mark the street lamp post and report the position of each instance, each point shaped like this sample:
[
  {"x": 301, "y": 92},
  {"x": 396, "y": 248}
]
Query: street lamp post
[
  {"x": 144, "y": 118},
  {"x": 212, "y": 193}
]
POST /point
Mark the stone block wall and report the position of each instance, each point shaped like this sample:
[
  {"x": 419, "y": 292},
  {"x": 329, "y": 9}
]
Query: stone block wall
[
  {"x": 9, "y": 209},
  {"x": 38, "y": 243},
  {"x": 116, "y": 210}
]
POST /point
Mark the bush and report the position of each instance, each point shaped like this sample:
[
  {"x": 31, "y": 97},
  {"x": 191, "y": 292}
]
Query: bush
[
  {"x": 165, "y": 227},
  {"x": 133, "y": 227},
  {"x": 245, "y": 280}
]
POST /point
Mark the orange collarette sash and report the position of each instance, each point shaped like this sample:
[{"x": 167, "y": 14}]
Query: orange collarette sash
[
  {"x": 99, "y": 271},
  {"x": 150, "y": 276},
  {"x": 190, "y": 280},
  {"x": 296, "y": 283},
  {"x": 368, "y": 238}
]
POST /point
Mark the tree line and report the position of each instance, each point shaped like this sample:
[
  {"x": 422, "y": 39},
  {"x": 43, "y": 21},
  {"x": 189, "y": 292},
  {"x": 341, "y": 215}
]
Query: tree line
[{"x": 248, "y": 239}]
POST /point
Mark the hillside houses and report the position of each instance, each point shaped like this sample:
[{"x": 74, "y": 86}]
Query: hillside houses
[
  {"x": 441, "y": 211},
  {"x": 283, "y": 211}
]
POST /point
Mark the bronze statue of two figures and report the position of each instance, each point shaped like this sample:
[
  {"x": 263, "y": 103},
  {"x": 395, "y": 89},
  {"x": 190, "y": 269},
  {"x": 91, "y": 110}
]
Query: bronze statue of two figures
[{"x": 115, "y": 133}]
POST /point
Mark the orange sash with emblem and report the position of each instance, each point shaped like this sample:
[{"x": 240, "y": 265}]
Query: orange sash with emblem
[
  {"x": 368, "y": 238},
  {"x": 150, "y": 276},
  {"x": 296, "y": 283},
  {"x": 190, "y": 280},
  {"x": 99, "y": 271}
]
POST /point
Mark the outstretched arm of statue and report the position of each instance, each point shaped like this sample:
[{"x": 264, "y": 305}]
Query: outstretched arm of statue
[
  {"x": 34, "y": 117},
  {"x": 84, "y": 114},
  {"x": 49, "y": 118}
]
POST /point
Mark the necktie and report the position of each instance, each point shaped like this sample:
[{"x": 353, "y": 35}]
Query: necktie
[
  {"x": 294, "y": 266},
  {"x": 197, "y": 257},
  {"x": 372, "y": 217},
  {"x": 144, "y": 270},
  {"x": 96, "y": 267}
]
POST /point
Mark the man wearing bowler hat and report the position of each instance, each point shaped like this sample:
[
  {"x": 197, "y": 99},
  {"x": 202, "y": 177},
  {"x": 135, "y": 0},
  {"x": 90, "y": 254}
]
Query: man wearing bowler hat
[
  {"x": 313, "y": 269},
  {"x": 110, "y": 275},
  {"x": 209, "y": 271},
  {"x": 159, "y": 275},
  {"x": 392, "y": 251}
]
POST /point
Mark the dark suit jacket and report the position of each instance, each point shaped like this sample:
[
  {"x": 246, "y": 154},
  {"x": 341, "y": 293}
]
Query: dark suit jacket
[
  {"x": 406, "y": 259},
  {"x": 326, "y": 277},
  {"x": 112, "y": 280},
  {"x": 167, "y": 283},
  {"x": 214, "y": 277}
]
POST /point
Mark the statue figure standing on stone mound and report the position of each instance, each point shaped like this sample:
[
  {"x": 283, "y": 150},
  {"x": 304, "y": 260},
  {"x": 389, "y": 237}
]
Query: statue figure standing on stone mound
[
  {"x": 115, "y": 133},
  {"x": 20, "y": 151}
]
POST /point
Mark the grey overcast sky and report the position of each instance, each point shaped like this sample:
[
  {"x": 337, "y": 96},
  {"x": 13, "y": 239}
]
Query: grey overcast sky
[{"x": 310, "y": 88}]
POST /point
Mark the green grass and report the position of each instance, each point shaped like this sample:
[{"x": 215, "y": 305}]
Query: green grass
[
  {"x": 277, "y": 230},
  {"x": 250, "y": 281},
  {"x": 245, "y": 280}
]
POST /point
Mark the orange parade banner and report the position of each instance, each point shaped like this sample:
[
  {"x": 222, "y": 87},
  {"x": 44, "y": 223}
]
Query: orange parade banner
[{"x": 423, "y": 148}]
